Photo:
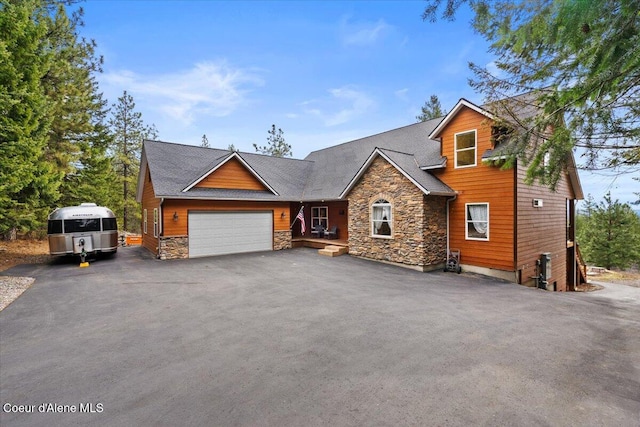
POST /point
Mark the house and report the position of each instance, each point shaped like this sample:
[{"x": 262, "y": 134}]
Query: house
[{"x": 406, "y": 196}]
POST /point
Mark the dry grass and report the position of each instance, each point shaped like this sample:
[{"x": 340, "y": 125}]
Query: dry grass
[
  {"x": 629, "y": 277},
  {"x": 20, "y": 251}
]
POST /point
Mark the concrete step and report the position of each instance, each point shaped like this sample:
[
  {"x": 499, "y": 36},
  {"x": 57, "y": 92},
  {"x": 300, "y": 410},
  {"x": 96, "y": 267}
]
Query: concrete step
[{"x": 332, "y": 250}]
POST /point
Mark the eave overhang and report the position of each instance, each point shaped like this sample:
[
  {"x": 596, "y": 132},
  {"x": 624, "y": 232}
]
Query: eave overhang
[
  {"x": 447, "y": 119},
  {"x": 237, "y": 156}
]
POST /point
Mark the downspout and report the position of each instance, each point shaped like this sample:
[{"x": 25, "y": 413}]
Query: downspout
[
  {"x": 448, "y": 230},
  {"x": 160, "y": 226}
]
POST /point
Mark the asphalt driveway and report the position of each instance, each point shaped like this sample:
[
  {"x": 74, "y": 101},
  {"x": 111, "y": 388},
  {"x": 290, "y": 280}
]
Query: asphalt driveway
[{"x": 293, "y": 338}]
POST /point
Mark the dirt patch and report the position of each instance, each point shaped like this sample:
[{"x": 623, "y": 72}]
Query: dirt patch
[
  {"x": 629, "y": 277},
  {"x": 588, "y": 287},
  {"x": 16, "y": 252}
]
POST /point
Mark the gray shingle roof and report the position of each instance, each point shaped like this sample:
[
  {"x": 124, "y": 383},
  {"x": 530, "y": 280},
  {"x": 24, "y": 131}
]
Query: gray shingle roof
[
  {"x": 173, "y": 167},
  {"x": 336, "y": 166},
  {"x": 322, "y": 175}
]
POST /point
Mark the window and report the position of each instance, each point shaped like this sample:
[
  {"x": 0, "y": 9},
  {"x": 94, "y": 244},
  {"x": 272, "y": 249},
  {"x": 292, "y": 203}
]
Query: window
[
  {"x": 109, "y": 224},
  {"x": 320, "y": 216},
  {"x": 54, "y": 226},
  {"x": 79, "y": 225},
  {"x": 465, "y": 150},
  {"x": 477, "y": 218},
  {"x": 144, "y": 221},
  {"x": 155, "y": 222},
  {"x": 381, "y": 219}
]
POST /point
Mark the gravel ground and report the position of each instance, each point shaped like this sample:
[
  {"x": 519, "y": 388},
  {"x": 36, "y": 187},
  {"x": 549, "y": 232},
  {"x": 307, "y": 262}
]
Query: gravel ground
[{"x": 12, "y": 287}]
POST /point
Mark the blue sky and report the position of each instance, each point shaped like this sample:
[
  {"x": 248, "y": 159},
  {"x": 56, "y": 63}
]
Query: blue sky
[{"x": 324, "y": 72}]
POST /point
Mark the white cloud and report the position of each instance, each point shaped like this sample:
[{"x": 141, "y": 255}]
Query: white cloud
[
  {"x": 207, "y": 89},
  {"x": 343, "y": 105},
  {"x": 402, "y": 94},
  {"x": 363, "y": 34}
]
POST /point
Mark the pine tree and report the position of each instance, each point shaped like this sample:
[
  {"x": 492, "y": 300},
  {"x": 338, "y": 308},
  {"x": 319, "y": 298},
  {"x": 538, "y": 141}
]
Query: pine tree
[
  {"x": 578, "y": 63},
  {"x": 128, "y": 131},
  {"x": 276, "y": 145},
  {"x": 431, "y": 110},
  {"x": 78, "y": 138},
  {"x": 609, "y": 234},
  {"x": 27, "y": 183},
  {"x": 205, "y": 141}
]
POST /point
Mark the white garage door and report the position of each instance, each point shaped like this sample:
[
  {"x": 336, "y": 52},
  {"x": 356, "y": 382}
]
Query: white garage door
[{"x": 219, "y": 233}]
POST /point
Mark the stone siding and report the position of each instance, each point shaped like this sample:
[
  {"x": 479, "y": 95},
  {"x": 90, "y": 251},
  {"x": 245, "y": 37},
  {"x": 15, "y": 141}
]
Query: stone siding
[
  {"x": 281, "y": 240},
  {"x": 174, "y": 247},
  {"x": 419, "y": 222}
]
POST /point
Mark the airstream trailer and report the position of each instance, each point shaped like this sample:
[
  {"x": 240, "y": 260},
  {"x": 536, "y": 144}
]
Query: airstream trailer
[{"x": 82, "y": 230}]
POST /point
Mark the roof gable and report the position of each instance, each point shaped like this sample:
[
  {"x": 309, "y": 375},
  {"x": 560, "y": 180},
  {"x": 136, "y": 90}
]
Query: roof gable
[
  {"x": 230, "y": 173},
  {"x": 407, "y": 165},
  {"x": 454, "y": 112}
]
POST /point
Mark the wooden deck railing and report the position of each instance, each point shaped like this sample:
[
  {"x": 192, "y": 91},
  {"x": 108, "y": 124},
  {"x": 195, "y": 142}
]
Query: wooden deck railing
[{"x": 581, "y": 265}]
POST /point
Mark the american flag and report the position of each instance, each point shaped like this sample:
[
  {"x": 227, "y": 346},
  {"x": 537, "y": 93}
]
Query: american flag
[{"x": 300, "y": 216}]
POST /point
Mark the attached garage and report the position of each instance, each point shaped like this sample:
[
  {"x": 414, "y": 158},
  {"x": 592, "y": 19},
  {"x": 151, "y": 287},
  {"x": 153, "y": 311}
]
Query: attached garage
[{"x": 221, "y": 233}]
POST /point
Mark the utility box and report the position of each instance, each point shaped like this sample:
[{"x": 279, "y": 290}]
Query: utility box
[{"x": 545, "y": 270}]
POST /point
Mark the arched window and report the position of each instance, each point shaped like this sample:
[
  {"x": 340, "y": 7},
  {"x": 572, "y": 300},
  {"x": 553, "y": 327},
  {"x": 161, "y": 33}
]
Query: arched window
[{"x": 381, "y": 220}]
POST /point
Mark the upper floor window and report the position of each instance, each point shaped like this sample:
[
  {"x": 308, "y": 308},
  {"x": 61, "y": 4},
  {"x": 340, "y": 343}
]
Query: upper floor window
[
  {"x": 381, "y": 221},
  {"x": 477, "y": 218},
  {"x": 465, "y": 149}
]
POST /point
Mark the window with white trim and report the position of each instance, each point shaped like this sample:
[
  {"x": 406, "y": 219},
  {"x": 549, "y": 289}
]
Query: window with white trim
[
  {"x": 477, "y": 219},
  {"x": 320, "y": 216},
  {"x": 381, "y": 220},
  {"x": 155, "y": 222},
  {"x": 144, "y": 221},
  {"x": 465, "y": 149}
]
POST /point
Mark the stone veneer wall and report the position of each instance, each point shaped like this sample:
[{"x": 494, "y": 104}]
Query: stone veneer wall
[
  {"x": 281, "y": 240},
  {"x": 174, "y": 247},
  {"x": 419, "y": 221},
  {"x": 178, "y": 247}
]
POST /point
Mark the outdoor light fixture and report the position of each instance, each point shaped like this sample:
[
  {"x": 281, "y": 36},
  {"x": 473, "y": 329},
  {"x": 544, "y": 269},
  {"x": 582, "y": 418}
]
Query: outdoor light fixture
[
  {"x": 175, "y": 216},
  {"x": 282, "y": 215}
]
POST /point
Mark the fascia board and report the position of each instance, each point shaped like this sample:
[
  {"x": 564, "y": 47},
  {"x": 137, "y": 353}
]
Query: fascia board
[
  {"x": 367, "y": 163},
  {"x": 219, "y": 165},
  {"x": 447, "y": 119},
  {"x": 141, "y": 174}
]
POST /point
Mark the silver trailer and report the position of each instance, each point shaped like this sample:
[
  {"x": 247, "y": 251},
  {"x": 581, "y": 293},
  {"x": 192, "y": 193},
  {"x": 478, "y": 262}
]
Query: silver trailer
[{"x": 82, "y": 230}]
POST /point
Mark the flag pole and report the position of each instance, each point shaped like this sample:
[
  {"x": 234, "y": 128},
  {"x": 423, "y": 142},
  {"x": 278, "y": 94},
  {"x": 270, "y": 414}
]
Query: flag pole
[{"x": 296, "y": 218}]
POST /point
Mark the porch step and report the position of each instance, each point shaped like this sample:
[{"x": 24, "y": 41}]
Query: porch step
[{"x": 332, "y": 250}]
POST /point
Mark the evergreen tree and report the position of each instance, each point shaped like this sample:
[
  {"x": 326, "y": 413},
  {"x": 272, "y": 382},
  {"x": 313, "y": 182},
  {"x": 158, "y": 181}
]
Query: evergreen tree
[
  {"x": 431, "y": 110},
  {"x": 78, "y": 138},
  {"x": 27, "y": 184},
  {"x": 205, "y": 141},
  {"x": 128, "y": 130},
  {"x": 578, "y": 62},
  {"x": 276, "y": 145},
  {"x": 609, "y": 234}
]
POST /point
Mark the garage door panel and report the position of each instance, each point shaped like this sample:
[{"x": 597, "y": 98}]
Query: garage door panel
[{"x": 220, "y": 233}]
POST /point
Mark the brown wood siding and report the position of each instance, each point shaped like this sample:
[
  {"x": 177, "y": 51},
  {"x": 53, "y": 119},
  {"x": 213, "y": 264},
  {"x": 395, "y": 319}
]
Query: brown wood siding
[
  {"x": 231, "y": 175},
  {"x": 182, "y": 207},
  {"x": 479, "y": 184},
  {"x": 149, "y": 202},
  {"x": 338, "y": 216},
  {"x": 542, "y": 229}
]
